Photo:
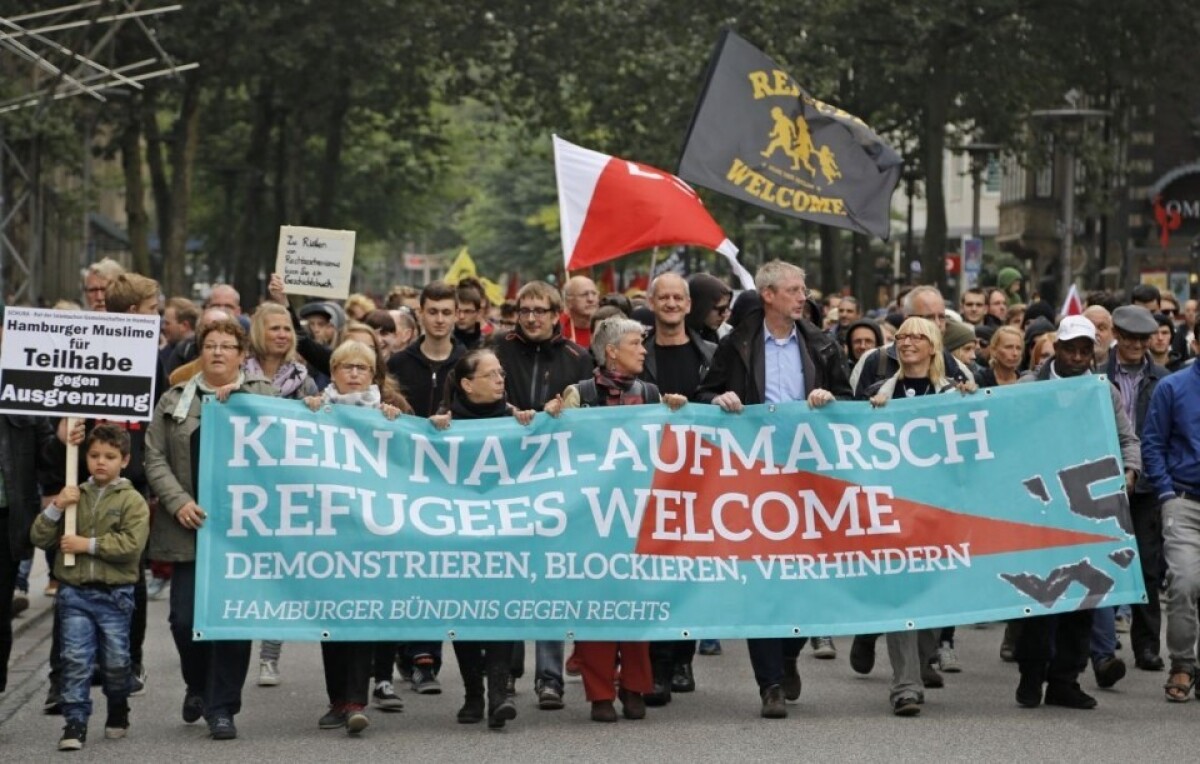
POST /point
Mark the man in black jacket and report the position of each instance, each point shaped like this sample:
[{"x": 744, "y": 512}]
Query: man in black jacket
[
  {"x": 1135, "y": 376},
  {"x": 677, "y": 358},
  {"x": 773, "y": 356},
  {"x": 539, "y": 363}
]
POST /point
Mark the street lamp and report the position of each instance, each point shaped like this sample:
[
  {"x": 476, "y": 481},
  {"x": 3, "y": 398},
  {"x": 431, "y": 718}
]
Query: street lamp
[{"x": 1068, "y": 125}]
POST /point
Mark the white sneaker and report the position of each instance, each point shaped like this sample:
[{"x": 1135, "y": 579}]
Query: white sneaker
[
  {"x": 948, "y": 659},
  {"x": 268, "y": 674}
]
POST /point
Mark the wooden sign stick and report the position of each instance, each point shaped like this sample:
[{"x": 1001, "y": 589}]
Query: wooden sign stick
[{"x": 73, "y": 480}]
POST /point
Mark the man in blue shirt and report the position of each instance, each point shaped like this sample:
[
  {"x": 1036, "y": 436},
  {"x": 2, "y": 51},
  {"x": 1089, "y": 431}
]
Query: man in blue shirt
[
  {"x": 774, "y": 356},
  {"x": 1171, "y": 450}
]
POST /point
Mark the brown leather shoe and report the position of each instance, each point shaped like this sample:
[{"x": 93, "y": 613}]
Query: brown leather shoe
[
  {"x": 603, "y": 711},
  {"x": 633, "y": 705}
]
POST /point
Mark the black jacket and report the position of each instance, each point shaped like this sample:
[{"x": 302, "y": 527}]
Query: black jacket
[
  {"x": 538, "y": 371},
  {"x": 739, "y": 365},
  {"x": 25, "y": 444},
  {"x": 1154, "y": 374},
  {"x": 421, "y": 379},
  {"x": 706, "y": 349}
]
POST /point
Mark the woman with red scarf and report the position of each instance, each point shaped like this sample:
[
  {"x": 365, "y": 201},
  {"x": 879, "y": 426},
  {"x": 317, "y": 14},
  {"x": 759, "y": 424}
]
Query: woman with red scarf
[{"x": 617, "y": 344}]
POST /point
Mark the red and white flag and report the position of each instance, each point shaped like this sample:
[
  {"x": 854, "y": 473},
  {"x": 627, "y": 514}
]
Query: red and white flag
[
  {"x": 1072, "y": 306},
  {"x": 610, "y": 207}
]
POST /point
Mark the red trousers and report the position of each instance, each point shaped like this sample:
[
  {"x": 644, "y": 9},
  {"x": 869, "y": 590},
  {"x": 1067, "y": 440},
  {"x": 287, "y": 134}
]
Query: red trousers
[{"x": 598, "y": 663}]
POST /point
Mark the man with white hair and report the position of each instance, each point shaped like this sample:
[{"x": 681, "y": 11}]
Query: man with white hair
[{"x": 773, "y": 356}]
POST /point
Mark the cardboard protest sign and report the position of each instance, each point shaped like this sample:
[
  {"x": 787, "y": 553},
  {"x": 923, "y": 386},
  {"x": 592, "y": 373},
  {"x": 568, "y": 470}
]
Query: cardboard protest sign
[
  {"x": 69, "y": 363},
  {"x": 315, "y": 261}
]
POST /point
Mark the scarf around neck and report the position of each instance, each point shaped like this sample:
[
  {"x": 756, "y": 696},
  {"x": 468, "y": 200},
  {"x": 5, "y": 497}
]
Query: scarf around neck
[
  {"x": 369, "y": 398},
  {"x": 197, "y": 383},
  {"x": 288, "y": 377},
  {"x": 462, "y": 408},
  {"x": 617, "y": 388}
]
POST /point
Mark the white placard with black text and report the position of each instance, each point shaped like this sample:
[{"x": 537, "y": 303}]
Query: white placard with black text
[
  {"x": 70, "y": 363},
  {"x": 315, "y": 261}
]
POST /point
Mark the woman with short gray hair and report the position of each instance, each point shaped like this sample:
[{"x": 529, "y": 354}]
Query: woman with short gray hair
[{"x": 617, "y": 345}]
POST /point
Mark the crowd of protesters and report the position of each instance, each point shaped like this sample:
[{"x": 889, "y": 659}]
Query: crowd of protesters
[{"x": 444, "y": 353}]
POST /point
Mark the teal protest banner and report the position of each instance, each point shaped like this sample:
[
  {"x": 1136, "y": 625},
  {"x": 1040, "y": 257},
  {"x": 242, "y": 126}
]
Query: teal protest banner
[{"x": 646, "y": 524}]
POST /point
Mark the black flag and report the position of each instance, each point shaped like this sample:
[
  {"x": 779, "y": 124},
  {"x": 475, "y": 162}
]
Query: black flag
[{"x": 758, "y": 136}]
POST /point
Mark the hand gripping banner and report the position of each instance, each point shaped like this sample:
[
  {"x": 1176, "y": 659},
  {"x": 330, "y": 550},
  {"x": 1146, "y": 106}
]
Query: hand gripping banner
[{"x": 778, "y": 521}]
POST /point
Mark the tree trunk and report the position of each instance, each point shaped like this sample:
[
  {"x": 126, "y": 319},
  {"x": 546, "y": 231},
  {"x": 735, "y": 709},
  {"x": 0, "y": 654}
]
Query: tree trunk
[
  {"x": 830, "y": 257},
  {"x": 332, "y": 159},
  {"x": 933, "y": 144},
  {"x": 863, "y": 273},
  {"x": 159, "y": 185},
  {"x": 251, "y": 237},
  {"x": 135, "y": 193},
  {"x": 184, "y": 141}
]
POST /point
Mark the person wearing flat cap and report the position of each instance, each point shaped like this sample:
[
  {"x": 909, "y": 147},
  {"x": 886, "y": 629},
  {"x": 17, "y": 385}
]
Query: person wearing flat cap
[
  {"x": 1134, "y": 375},
  {"x": 1053, "y": 650}
]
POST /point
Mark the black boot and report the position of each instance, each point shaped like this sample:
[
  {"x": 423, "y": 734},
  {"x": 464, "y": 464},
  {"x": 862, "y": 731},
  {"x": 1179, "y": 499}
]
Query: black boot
[
  {"x": 472, "y": 709},
  {"x": 661, "y": 694},
  {"x": 500, "y": 706}
]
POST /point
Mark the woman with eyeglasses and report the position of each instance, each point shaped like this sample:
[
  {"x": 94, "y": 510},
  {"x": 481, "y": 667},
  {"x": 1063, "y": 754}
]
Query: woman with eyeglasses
[
  {"x": 348, "y": 665},
  {"x": 617, "y": 345},
  {"x": 213, "y": 672},
  {"x": 475, "y": 390},
  {"x": 922, "y": 372}
]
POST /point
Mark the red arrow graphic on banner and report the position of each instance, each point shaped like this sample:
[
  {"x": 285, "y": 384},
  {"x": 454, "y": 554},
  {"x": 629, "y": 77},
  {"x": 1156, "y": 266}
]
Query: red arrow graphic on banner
[{"x": 751, "y": 514}]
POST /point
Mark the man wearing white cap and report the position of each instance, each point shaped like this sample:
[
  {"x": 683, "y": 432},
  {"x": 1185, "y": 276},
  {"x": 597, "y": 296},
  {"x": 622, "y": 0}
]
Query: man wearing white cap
[{"x": 1053, "y": 650}]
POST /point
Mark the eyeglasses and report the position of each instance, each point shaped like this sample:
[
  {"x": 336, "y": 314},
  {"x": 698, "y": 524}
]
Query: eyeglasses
[
  {"x": 534, "y": 312},
  {"x": 910, "y": 338},
  {"x": 722, "y": 309},
  {"x": 359, "y": 368},
  {"x": 222, "y": 349},
  {"x": 493, "y": 374}
]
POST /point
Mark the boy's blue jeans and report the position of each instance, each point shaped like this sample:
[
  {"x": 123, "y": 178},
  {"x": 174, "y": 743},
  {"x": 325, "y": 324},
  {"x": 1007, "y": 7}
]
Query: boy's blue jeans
[{"x": 94, "y": 624}]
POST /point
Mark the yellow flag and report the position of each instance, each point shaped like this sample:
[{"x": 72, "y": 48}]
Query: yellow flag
[
  {"x": 495, "y": 292},
  {"x": 462, "y": 266}
]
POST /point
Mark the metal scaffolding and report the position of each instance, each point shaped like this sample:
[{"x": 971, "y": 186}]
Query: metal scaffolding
[{"x": 41, "y": 39}]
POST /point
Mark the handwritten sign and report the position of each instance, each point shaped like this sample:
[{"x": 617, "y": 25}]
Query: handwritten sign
[{"x": 315, "y": 261}]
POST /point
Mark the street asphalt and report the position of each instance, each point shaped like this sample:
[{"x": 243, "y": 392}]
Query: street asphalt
[{"x": 840, "y": 716}]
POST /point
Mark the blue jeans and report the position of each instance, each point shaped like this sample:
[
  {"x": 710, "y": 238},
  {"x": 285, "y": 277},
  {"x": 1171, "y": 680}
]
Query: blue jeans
[
  {"x": 1104, "y": 634},
  {"x": 95, "y": 623},
  {"x": 548, "y": 664},
  {"x": 23, "y": 575}
]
